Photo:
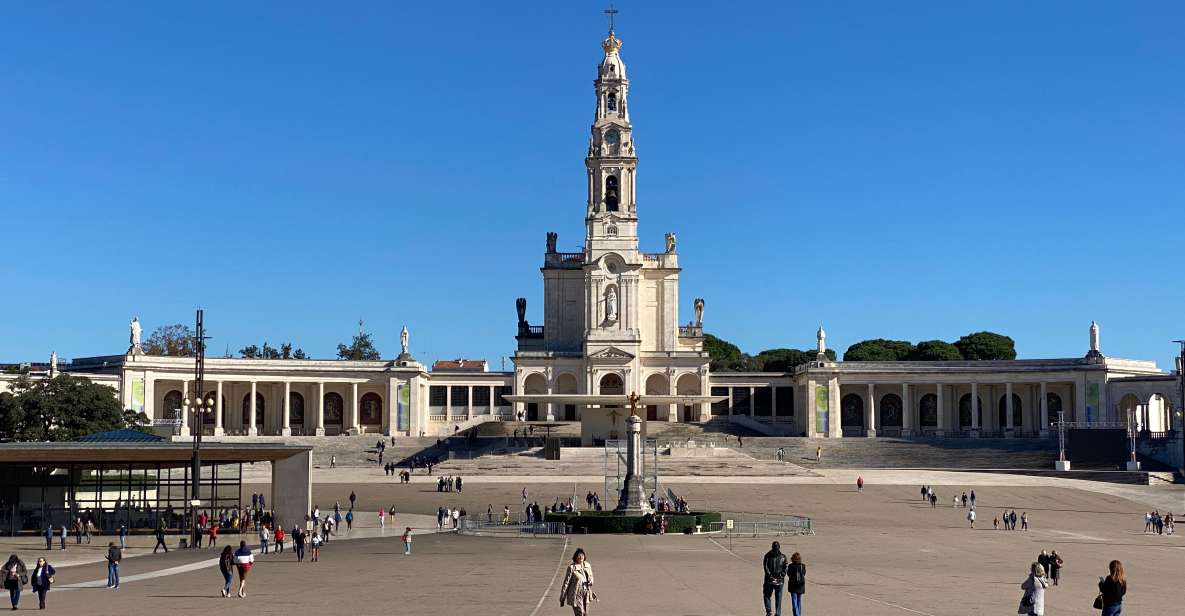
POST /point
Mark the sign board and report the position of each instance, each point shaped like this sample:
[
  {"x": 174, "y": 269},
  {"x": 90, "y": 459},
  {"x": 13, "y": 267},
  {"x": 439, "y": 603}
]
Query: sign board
[
  {"x": 196, "y": 502},
  {"x": 728, "y": 524}
]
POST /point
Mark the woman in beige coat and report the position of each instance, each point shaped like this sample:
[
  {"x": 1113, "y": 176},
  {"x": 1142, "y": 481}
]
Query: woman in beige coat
[{"x": 576, "y": 590}]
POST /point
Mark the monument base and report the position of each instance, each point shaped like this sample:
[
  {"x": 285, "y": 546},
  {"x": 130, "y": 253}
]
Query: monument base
[
  {"x": 1132, "y": 465},
  {"x": 633, "y": 498},
  {"x": 1061, "y": 465}
]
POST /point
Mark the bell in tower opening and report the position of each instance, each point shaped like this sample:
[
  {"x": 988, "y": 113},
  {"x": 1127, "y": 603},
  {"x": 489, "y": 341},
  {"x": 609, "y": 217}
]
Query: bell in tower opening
[{"x": 611, "y": 193}]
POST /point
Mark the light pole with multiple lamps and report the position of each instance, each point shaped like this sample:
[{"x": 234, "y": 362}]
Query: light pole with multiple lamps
[
  {"x": 1180, "y": 400},
  {"x": 197, "y": 408}
]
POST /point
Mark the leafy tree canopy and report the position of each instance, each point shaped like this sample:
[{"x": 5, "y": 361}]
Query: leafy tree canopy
[
  {"x": 175, "y": 340},
  {"x": 879, "y": 349},
  {"x": 361, "y": 348},
  {"x": 269, "y": 352},
  {"x": 935, "y": 350},
  {"x": 63, "y": 408},
  {"x": 727, "y": 357},
  {"x": 986, "y": 345}
]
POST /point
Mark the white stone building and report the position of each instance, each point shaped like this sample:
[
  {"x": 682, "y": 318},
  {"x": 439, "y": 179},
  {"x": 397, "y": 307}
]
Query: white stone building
[{"x": 611, "y": 328}]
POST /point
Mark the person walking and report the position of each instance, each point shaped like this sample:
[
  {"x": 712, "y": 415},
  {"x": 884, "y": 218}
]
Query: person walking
[
  {"x": 49, "y": 537},
  {"x": 298, "y": 540},
  {"x": 353, "y": 497},
  {"x": 1032, "y": 602},
  {"x": 973, "y": 499},
  {"x": 860, "y": 484},
  {"x": 796, "y": 582},
  {"x": 1111, "y": 590},
  {"x": 160, "y": 539},
  {"x": 114, "y": 555},
  {"x": 42, "y": 579},
  {"x": 315, "y": 552},
  {"x": 576, "y": 590},
  {"x": 279, "y": 535},
  {"x": 63, "y": 536},
  {"x": 407, "y": 541},
  {"x": 332, "y": 461},
  {"x": 244, "y": 560},
  {"x": 1024, "y": 520},
  {"x": 15, "y": 575},
  {"x": 1055, "y": 567},
  {"x": 774, "y": 574},
  {"x": 382, "y": 518},
  {"x": 264, "y": 536},
  {"x": 123, "y": 536},
  {"x": 350, "y": 520},
  {"x": 971, "y": 517},
  {"x": 226, "y": 565},
  {"x": 214, "y": 536}
]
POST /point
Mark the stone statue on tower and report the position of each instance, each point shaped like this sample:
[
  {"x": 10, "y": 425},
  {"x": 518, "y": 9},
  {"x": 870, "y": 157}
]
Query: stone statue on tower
[
  {"x": 699, "y": 311},
  {"x": 403, "y": 340},
  {"x": 134, "y": 337},
  {"x": 821, "y": 344}
]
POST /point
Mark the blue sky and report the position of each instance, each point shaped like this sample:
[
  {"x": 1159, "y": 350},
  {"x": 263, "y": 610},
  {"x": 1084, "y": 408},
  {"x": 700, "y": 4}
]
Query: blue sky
[{"x": 909, "y": 170}]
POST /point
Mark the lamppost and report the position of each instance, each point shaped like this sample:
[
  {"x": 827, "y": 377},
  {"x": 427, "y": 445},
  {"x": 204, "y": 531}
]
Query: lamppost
[
  {"x": 1181, "y": 399},
  {"x": 200, "y": 405}
]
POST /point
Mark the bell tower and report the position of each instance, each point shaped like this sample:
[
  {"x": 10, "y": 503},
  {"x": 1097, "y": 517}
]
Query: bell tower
[{"x": 612, "y": 217}]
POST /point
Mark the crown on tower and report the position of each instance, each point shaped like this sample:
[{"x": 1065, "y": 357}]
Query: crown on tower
[{"x": 611, "y": 44}]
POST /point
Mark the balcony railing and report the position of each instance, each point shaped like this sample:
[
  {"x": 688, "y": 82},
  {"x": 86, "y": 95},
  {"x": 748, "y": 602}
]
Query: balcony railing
[
  {"x": 691, "y": 331},
  {"x": 530, "y": 331},
  {"x": 574, "y": 260}
]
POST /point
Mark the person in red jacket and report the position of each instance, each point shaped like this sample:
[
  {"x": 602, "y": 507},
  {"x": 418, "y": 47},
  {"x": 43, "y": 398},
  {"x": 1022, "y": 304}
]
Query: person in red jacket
[
  {"x": 279, "y": 538},
  {"x": 213, "y": 535}
]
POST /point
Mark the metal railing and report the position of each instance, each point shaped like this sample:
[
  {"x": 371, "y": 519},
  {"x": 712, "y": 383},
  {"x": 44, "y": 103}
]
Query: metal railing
[
  {"x": 514, "y": 528},
  {"x": 691, "y": 331},
  {"x": 746, "y": 524}
]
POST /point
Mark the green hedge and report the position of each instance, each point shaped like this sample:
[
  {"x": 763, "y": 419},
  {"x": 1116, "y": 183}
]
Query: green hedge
[{"x": 599, "y": 522}]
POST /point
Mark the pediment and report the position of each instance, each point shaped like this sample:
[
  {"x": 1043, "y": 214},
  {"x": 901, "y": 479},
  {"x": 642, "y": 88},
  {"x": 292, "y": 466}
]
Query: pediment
[{"x": 612, "y": 353}]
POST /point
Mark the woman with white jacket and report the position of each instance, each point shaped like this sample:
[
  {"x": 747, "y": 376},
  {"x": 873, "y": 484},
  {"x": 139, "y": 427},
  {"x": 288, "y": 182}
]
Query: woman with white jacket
[
  {"x": 576, "y": 590},
  {"x": 1032, "y": 603}
]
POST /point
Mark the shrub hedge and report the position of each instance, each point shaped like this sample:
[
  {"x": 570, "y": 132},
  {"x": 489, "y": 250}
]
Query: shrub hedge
[{"x": 599, "y": 522}]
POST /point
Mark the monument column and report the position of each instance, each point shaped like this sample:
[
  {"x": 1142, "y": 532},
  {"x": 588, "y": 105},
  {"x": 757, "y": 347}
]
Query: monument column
[
  {"x": 871, "y": 423},
  {"x": 184, "y": 409},
  {"x": 907, "y": 420},
  {"x": 286, "y": 430},
  {"x": 353, "y": 408},
  {"x": 975, "y": 410},
  {"x": 940, "y": 427},
  {"x": 252, "y": 427},
  {"x": 1008, "y": 424},
  {"x": 219, "y": 430}
]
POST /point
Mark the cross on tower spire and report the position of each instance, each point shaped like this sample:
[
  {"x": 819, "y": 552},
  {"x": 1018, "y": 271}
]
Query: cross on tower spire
[{"x": 611, "y": 12}]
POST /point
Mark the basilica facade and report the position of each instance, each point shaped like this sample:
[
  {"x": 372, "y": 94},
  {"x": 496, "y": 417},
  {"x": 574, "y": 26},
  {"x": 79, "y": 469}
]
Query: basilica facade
[{"x": 612, "y": 342}]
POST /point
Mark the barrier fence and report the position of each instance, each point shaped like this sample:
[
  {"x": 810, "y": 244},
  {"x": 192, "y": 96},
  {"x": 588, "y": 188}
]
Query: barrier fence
[
  {"x": 511, "y": 529},
  {"x": 747, "y": 524}
]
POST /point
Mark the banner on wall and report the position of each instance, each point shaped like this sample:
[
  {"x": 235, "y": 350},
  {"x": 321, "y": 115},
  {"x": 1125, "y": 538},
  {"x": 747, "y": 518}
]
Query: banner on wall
[
  {"x": 1092, "y": 402},
  {"x": 403, "y": 407},
  {"x": 138, "y": 395},
  {"x": 822, "y": 410}
]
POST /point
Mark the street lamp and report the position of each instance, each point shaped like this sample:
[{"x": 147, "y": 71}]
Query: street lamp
[{"x": 200, "y": 408}]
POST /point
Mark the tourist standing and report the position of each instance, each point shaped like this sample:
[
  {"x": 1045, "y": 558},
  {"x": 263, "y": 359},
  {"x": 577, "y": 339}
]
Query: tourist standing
[
  {"x": 123, "y": 535},
  {"x": 114, "y": 555},
  {"x": 63, "y": 536},
  {"x": 1024, "y": 520},
  {"x": 973, "y": 499},
  {"x": 244, "y": 560},
  {"x": 214, "y": 535},
  {"x": 264, "y": 535},
  {"x": 42, "y": 579},
  {"x": 1111, "y": 590},
  {"x": 383, "y": 518},
  {"x": 860, "y": 483},
  {"x": 353, "y": 497},
  {"x": 774, "y": 570},
  {"x": 298, "y": 538},
  {"x": 279, "y": 534},
  {"x": 576, "y": 590},
  {"x": 971, "y": 517},
  {"x": 226, "y": 565},
  {"x": 1055, "y": 567},
  {"x": 49, "y": 537},
  {"x": 1032, "y": 602},
  {"x": 818, "y": 453},
  {"x": 15, "y": 575},
  {"x": 407, "y": 541},
  {"x": 315, "y": 554},
  {"x": 350, "y": 519},
  {"x": 796, "y": 582}
]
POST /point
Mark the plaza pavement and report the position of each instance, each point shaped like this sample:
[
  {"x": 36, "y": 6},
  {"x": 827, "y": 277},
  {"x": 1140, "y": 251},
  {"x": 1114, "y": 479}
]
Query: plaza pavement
[{"x": 880, "y": 552}]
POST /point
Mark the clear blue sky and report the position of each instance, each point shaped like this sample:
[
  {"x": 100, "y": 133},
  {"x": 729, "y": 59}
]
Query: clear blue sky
[{"x": 908, "y": 170}]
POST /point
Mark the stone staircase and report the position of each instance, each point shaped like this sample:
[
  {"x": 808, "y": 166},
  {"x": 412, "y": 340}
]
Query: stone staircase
[{"x": 590, "y": 461}]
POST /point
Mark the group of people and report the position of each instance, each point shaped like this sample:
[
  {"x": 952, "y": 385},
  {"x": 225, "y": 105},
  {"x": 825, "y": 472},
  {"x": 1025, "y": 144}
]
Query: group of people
[
  {"x": 593, "y": 500},
  {"x": 1045, "y": 572},
  {"x": 1009, "y": 519},
  {"x": 1159, "y": 524},
  {"x": 391, "y": 469},
  {"x": 777, "y": 570},
  {"x": 446, "y": 516},
  {"x": 448, "y": 484},
  {"x": 16, "y": 576}
]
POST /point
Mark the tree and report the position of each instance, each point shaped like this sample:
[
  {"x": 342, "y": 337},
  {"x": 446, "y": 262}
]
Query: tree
[
  {"x": 174, "y": 340},
  {"x": 784, "y": 360},
  {"x": 879, "y": 349},
  {"x": 725, "y": 356},
  {"x": 360, "y": 349},
  {"x": 269, "y": 352},
  {"x": 935, "y": 350},
  {"x": 986, "y": 346},
  {"x": 63, "y": 408}
]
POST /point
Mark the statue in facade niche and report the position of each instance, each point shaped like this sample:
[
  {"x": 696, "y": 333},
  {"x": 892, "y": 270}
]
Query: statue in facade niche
[
  {"x": 134, "y": 337},
  {"x": 699, "y": 311},
  {"x": 611, "y": 305},
  {"x": 670, "y": 242},
  {"x": 552, "y": 236}
]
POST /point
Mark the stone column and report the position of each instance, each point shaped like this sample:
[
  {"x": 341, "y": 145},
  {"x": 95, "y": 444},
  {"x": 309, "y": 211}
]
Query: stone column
[
  {"x": 1008, "y": 425},
  {"x": 974, "y": 410},
  {"x": 812, "y": 409},
  {"x": 286, "y": 430},
  {"x": 833, "y": 419},
  {"x": 940, "y": 428},
  {"x": 252, "y": 427},
  {"x": 1043, "y": 429},
  {"x": 219, "y": 430},
  {"x": 354, "y": 429},
  {"x": 871, "y": 422},
  {"x": 632, "y": 499},
  {"x": 185, "y": 411},
  {"x": 320, "y": 429},
  {"x": 907, "y": 419}
]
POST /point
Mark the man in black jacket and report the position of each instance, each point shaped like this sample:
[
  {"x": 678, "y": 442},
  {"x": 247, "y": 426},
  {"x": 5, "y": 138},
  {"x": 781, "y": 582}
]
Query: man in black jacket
[{"x": 774, "y": 565}]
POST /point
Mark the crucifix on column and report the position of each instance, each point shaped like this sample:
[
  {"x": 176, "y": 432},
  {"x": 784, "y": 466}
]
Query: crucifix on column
[{"x": 611, "y": 12}]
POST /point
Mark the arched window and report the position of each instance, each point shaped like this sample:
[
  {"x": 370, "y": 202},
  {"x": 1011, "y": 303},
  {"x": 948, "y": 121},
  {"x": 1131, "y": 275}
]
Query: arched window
[
  {"x": 259, "y": 409},
  {"x": 891, "y": 411},
  {"x": 295, "y": 409},
  {"x": 334, "y": 409},
  {"x": 611, "y": 102},
  {"x": 928, "y": 411},
  {"x": 611, "y": 385},
  {"x": 370, "y": 410},
  {"x": 965, "y": 411},
  {"x": 1053, "y": 403},
  {"x": 172, "y": 405},
  {"x": 1017, "y": 416},
  {"x": 611, "y": 196},
  {"x": 851, "y": 411}
]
